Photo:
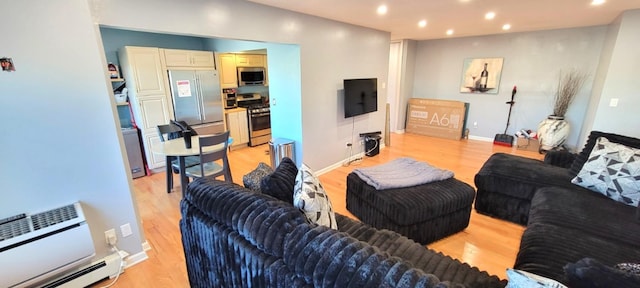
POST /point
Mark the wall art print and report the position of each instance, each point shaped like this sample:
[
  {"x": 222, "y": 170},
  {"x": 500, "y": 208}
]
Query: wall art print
[{"x": 481, "y": 75}]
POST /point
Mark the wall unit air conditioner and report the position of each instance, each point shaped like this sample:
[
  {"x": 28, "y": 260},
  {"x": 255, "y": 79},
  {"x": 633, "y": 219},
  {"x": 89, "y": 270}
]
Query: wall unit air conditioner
[{"x": 35, "y": 247}]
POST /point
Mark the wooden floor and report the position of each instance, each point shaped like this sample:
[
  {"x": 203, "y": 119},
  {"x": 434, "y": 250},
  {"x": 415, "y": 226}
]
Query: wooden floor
[{"x": 487, "y": 243}]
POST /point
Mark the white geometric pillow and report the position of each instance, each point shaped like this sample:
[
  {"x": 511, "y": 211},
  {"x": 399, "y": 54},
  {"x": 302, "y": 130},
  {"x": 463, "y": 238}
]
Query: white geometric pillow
[
  {"x": 310, "y": 197},
  {"x": 613, "y": 170},
  {"x": 524, "y": 279}
]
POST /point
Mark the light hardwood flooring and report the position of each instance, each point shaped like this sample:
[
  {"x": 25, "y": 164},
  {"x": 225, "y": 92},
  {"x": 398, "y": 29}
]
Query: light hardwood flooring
[{"x": 489, "y": 244}]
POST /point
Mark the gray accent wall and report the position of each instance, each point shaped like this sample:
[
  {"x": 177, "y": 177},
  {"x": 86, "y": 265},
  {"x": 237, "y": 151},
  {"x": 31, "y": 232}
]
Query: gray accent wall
[
  {"x": 114, "y": 39},
  {"x": 532, "y": 62}
]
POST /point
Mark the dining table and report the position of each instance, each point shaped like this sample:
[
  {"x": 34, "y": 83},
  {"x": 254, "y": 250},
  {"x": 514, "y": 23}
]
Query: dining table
[{"x": 177, "y": 148}]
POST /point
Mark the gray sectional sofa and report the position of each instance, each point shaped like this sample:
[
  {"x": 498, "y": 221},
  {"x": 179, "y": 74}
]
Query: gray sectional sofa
[{"x": 574, "y": 235}]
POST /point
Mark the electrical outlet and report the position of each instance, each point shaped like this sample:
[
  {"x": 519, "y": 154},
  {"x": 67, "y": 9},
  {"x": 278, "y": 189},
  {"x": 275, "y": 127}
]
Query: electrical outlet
[
  {"x": 361, "y": 142},
  {"x": 110, "y": 236},
  {"x": 125, "y": 230},
  {"x": 475, "y": 124}
]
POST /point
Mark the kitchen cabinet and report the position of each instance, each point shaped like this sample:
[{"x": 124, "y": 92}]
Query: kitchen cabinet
[
  {"x": 150, "y": 141},
  {"x": 144, "y": 71},
  {"x": 238, "y": 127},
  {"x": 250, "y": 60},
  {"x": 227, "y": 70},
  {"x": 188, "y": 58},
  {"x": 154, "y": 111},
  {"x": 148, "y": 95}
]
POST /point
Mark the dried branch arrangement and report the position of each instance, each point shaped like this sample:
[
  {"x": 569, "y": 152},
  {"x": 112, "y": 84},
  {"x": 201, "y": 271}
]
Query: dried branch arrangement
[{"x": 569, "y": 84}]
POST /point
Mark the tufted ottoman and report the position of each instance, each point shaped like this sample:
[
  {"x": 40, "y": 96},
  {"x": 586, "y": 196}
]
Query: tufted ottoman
[{"x": 424, "y": 213}]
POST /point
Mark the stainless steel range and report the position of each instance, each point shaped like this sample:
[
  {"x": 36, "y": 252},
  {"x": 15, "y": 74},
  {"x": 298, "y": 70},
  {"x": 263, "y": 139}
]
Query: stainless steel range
[
  {"x": 259, "y": 124},
  {"x": 259, "y": 118}
]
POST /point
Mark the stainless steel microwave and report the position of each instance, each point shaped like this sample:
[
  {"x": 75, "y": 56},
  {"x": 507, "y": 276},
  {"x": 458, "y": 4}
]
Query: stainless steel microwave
[{"x": 251, "y": 76}]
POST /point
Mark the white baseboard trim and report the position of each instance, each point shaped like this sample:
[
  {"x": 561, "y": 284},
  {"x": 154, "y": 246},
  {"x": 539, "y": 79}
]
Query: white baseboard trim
[
  {"x": 353, "y": 158},
  {"x": 138, "y": 257},
  {"x": 146, "y": 246},
  {"x": 485, "y": 139},
  {"x": 135, "y": 259}
]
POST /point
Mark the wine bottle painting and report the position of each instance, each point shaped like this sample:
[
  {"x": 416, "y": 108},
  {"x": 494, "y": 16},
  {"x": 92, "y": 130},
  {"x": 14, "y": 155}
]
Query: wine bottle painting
[{"x": 481, "y": 75}]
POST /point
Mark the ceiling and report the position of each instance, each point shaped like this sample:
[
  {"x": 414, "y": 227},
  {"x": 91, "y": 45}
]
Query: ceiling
[{"x": 465, "y": 17}]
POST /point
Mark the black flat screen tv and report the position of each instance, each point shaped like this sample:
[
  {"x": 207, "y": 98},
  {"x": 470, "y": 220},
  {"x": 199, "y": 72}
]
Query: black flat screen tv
[{"x": 360, "y": 96}]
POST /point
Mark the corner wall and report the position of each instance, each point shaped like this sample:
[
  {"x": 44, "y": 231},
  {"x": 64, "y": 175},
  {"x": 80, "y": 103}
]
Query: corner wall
[
  {"x": 618, "y": 78},
  {"x": 61, "y": 142}
]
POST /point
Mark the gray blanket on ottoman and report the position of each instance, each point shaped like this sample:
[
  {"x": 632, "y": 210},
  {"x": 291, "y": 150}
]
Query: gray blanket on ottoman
[{"x": 401, "y": 172}]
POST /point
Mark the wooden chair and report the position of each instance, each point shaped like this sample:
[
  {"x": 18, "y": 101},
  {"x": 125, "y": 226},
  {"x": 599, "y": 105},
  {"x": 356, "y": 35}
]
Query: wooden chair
[
  {"x": 208, "y": 167},
  {"x": 172, "y": 132}
]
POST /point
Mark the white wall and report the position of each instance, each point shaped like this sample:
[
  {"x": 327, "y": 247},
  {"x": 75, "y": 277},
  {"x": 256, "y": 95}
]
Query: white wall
[
  {"x": 532, "y": 61},
  {"x": 60, "y": 140},
  {"x": 329, "y": 52},
  {"x": 620, "y": 79}
]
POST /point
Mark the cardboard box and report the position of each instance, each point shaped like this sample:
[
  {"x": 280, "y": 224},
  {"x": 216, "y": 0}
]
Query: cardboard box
[
  {"x": 438, "y": 118},
  {"x": 529, "y": 144}
]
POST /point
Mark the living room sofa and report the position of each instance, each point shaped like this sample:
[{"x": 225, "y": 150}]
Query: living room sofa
[
  {"x": 566, "y": 223},
  {"x": 236, "y": 237}
]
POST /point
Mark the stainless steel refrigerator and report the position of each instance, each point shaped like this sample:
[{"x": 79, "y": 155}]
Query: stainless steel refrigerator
[{"x": 197, "y": 99}]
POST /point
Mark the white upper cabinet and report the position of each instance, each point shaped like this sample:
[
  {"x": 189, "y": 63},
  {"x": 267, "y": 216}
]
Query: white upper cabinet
[
  {"x": 227, "y": 70},
  {"x": 142, "y": 67},
  {"x": 250, "y": 60},
  {"x": 188, "y": 58}
]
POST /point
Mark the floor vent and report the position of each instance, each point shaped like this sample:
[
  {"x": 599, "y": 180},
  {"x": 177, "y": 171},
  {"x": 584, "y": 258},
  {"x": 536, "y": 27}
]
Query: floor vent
[{"x": 89, "y": 274}]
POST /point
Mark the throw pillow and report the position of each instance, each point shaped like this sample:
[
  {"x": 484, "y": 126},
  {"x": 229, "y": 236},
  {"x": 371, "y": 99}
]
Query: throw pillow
[
  {"x": 588, "y": 272},
  {"x": 523, "y": 279},
  {"x": 280, "y": 183},
  {"x": 613, "y": 170},
  {"x": 629, "y": 268},
  {"x": 253, "y": 179},
  {"x": 310, "y": 197}
]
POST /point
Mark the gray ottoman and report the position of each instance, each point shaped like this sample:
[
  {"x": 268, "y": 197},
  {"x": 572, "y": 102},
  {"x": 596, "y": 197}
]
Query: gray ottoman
[{"x": 424, "y": 213}]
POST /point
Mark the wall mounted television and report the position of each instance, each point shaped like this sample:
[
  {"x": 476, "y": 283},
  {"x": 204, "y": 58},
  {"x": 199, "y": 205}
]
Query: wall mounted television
[{"x": 360, "y": 96}]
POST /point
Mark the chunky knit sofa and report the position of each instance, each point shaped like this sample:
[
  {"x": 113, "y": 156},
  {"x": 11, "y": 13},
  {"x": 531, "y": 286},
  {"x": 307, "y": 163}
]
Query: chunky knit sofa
[
  {"x": 574, "y": 235},
  {"x": 235, "y": 237}
]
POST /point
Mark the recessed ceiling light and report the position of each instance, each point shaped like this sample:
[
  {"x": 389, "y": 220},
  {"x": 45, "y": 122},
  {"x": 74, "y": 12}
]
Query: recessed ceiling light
[
  {"x": 490, "y": 15},
  {"x": 506, "y": 26},
  {"x": 450, "y": 32},
  {"x": 597, "y": 2},
  {"x": 422, "y": 23},
  {"x": 382, "y": 9}
]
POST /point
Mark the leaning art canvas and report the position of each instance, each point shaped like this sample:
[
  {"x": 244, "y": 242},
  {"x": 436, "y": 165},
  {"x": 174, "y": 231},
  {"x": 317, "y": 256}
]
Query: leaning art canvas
[{"x": 481, "y": 75}]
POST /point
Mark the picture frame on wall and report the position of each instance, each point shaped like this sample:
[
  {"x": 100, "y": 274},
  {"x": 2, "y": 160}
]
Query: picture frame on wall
[{"x": 481, "y": 75}]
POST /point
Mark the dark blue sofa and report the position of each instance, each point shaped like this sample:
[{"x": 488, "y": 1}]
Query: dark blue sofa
[
  {"x": 234, "y": 237},
  {"x": 573, "y": 235}
]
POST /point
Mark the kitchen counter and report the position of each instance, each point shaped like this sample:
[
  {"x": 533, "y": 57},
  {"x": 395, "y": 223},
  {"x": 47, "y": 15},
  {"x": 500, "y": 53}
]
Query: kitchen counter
[{"x": 233, "y": 110}]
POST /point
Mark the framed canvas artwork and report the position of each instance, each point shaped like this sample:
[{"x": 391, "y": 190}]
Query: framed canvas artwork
[{"x": 481, "y": 75}]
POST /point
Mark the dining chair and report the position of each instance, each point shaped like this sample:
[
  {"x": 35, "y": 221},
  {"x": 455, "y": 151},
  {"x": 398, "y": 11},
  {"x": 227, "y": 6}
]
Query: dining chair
[
  {"x": 173, "y": 166},
  {"x": 208, "y": 166}
]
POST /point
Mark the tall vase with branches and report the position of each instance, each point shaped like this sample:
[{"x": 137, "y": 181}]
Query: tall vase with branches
[{"x": 554, "y": 130}]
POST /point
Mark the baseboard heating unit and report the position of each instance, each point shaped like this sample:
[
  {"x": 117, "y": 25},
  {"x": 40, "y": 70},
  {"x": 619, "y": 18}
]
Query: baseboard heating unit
[{"x": 36, "y": 247}]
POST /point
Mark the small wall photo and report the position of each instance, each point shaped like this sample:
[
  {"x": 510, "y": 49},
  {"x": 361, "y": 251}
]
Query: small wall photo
[{"x": 481, "y": 75}]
